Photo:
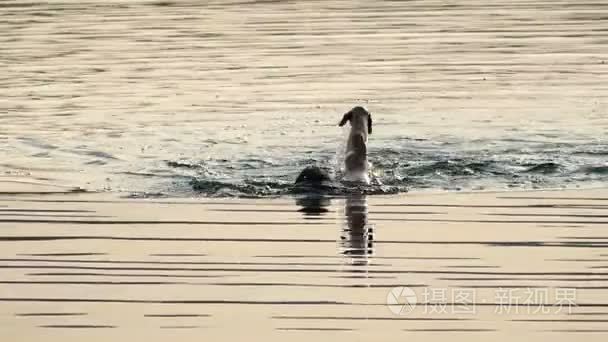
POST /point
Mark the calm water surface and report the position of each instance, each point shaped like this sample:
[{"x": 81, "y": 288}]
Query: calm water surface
[{"x": 235, "y": 98}]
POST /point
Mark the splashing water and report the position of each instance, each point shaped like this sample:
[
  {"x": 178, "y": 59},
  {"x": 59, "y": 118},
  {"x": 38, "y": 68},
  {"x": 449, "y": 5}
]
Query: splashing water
[{"x": 419, "y": 164}]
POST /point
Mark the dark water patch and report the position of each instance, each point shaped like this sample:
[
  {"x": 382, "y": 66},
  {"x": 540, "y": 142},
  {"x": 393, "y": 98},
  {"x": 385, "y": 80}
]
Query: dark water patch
[
  {"x": 448, "y": 330},
  {"x": 83, "y": 150},
  {"x": 46, "y": 210},
  {"x": 319, "y": 285},
  {"x": 364, "y": 276},
  {"x": 38, "y": 144},
  {"x": 77, "y": 326},
  {"x": 145, "y": 195},
  {"x": 425, "y": 258},
  {"x": 162, "y": 3},
  {"x": 81, "y": 282},
  {"x": 548, "y": 215},
  {"x": 19, "y": 4},
  {"x": 559, "y": 198},
  {"x": 100, "y": 154},
  {"x": 561, "y": 226},
  {"x": 134, "y": 222},
  {"x": 284, "y": 256},
  {"x": 40, "y": 193},
  {"x": 176, "y": 315},
  {"x": 52, "y": 215},
  {"x": 179, "y": 254},
  {"x": 588, "y": 313},
  {"x": 409, "y": 212},
  {"x": 316, "y": 270},
  {"x": 493, "y": 206},
  {"x": 119, "y": 238},
  {"x": 185, "y": 165},
  {"x": 253, "y": 211},
  {"x": 99, "y": 274},
  {"x": 595, "y": 170},
  {"x": 545, "y": 168},
  {"x": 41, "y": 155},
  {"x": 375, "y": 257},
  {"x": 542, "y": 279},
  {"x": 181, "y": 301},
  {"x": 63, "y": 254},
  {"x": 534, "y": 222},
  {"x": 470, "y": 266},
  {"x": 141, "y": 262},
  {"x": 96, "y": 162},
  {"x": 584, "y": 331},
  {"x": 535, "y": 244},
  {"x": 50, "y": 314},
  {"x": 317, "y": 329}
]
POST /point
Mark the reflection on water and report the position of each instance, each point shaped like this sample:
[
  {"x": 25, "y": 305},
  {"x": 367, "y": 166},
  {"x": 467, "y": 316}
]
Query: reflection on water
[
  {"x": 357, "y": 234},
  {"x": 70, "y": 262},
  {"x": 313, "y": 204},
  {"x": 357, "y": 239}
]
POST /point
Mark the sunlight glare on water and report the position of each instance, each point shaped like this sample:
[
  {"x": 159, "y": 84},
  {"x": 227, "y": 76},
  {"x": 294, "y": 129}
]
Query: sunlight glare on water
[{"x": 147, "y": 95}]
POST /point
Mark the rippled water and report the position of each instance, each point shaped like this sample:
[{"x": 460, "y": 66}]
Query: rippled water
[
  {"x": 474, "y": 267},
  {"x": 235, "y": 98}
]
